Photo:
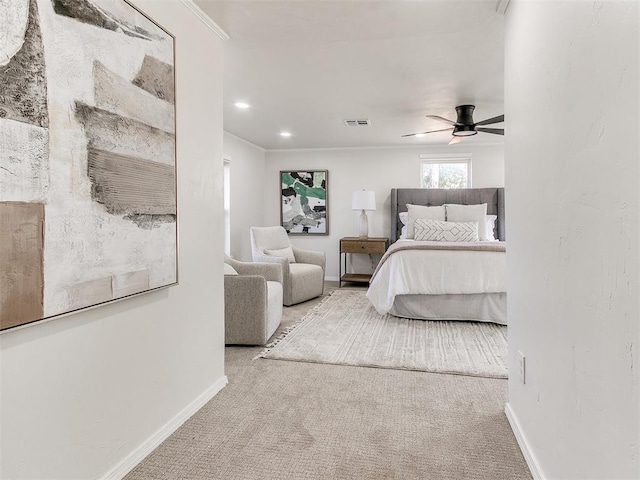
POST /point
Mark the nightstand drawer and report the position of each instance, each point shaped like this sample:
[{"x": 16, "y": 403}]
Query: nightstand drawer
[{"x": 369, "y": 245}]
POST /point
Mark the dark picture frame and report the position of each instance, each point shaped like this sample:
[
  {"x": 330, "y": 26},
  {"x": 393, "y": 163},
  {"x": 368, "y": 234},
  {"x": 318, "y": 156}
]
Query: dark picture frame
[{"x": 304, "y": 201}]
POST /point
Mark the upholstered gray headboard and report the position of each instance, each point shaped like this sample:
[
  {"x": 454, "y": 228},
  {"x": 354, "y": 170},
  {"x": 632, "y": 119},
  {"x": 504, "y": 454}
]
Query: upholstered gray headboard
[{"x": 493, "y": 197}]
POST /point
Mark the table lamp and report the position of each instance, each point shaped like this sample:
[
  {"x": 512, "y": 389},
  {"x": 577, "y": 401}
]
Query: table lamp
[{"x": 363, "y": 200}]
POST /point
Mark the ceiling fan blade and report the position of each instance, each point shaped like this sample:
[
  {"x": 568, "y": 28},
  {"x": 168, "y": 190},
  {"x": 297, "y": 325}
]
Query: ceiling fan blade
[
  {"x": 441, "y": 119},
  {"x": 454, "y": 140},
  {"x": 489, "y": 121},
  {"x": 497, "y": 131},
  {"x": 424, "y": 133}
]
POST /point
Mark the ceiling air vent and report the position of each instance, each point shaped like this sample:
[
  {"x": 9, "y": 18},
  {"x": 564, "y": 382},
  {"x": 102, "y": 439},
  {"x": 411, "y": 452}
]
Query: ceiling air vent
[{"x": 362, "y": 122}]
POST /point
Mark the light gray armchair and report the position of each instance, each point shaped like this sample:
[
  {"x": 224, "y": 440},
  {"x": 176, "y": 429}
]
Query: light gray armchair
[
  {"x": 302, "y": 270},
  {"x": 252, "y": 301}
]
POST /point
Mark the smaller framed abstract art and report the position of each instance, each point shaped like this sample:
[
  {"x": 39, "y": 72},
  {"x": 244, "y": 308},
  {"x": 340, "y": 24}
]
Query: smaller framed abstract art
[{"x": 303, "y": 203}]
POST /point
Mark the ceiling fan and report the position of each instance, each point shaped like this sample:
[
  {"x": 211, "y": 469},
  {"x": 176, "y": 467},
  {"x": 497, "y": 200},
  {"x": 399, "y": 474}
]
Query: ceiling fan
[{"x": 464, "y": 126}]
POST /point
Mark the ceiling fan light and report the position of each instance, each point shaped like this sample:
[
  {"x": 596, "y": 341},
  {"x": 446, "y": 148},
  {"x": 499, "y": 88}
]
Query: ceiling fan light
[
  {"x": 464, "y": 131},
  {"x": 463, "y": 134}
]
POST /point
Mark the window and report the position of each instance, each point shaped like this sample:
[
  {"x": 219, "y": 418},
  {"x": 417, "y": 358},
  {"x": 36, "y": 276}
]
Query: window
[
  {"x": 445, "y": 172},
  {"x": 226, "y": 189}
]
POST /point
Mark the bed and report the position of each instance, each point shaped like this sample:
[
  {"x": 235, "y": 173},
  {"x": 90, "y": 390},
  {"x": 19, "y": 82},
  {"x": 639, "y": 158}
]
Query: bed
[{"x": 441, "y": 280}]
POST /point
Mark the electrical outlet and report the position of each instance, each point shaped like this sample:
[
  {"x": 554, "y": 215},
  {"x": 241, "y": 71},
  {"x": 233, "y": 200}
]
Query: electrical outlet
[{"x": 522, "y": 368}]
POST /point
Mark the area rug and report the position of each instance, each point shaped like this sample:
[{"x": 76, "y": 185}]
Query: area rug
[{"x": 345, "y": 329}]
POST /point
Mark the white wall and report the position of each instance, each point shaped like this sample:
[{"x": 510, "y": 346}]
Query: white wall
[
  {"x": 377, "y": 169},
  {"x": 572, "y": 177},
  {"x": 80, "y": 394},
  {"x": 248, "y": 184}
]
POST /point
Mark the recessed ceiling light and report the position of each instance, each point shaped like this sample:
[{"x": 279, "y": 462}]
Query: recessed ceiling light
[
  {"x": 242, "y": 105},
  {"x": 285, "y": 134}
]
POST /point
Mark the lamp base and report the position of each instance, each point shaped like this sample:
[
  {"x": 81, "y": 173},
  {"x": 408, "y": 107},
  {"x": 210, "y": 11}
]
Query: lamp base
[{"x": 364, "y": 225}]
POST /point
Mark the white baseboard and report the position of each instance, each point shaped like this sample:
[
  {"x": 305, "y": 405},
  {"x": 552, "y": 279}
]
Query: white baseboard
[
  {"x": 521, "y": 438},
  {"x": 130, "y": 461}
]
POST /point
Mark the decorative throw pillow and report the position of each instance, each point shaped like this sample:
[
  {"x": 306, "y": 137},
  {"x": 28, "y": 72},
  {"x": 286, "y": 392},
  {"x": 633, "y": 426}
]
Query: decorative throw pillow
[
  {"x": 286, "y": 252},
  {"x": 491, "y": 226},
  {"x": 419, "y": 211},
  {"x": 469, "y": 213},
  {"x": 438, "y": 231},
  {"x": 229, "y": 270}
]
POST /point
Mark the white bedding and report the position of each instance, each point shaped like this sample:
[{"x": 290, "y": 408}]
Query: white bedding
[{"x": 436, "y": 272}]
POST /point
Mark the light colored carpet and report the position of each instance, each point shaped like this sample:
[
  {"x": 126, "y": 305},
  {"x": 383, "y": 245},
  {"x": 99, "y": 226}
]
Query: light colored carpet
[
  {"x": 345, "y": 329},
  {"x": 306, "y": 421}
]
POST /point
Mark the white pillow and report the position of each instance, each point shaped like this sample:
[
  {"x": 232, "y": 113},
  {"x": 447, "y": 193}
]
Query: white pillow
[
  {"x": 229, "y": 270},
  {"x": 420, "y": 211},
  {"x": 469, "y": 213},
  {"x": 286, "y": 252},
  {"x": 491, "y": 225},
  {"x": 438, "y": 231},
  {"x": 404, "y": 218}
]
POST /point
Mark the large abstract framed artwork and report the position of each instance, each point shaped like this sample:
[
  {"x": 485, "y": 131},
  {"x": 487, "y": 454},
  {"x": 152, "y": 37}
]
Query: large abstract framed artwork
[
  {"x": 88, "y": 209},
  {"x": 303, "y": 207}
]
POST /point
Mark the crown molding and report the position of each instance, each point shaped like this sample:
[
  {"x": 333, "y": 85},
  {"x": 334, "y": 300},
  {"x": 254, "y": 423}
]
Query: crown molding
[
  {"x": 245, "y": 141},
  {"x": 424, "y": 146},
  {"x": 204, "y": 18},
  {"x": 502, "y": 6}
]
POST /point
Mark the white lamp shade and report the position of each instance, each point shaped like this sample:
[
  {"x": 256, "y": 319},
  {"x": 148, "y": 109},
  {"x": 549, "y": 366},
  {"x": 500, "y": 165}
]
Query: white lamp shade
[{"x": 363, "y": 200}]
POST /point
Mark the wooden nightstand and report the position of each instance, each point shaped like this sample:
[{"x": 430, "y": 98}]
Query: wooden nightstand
[{"x": 370, "y": 245}]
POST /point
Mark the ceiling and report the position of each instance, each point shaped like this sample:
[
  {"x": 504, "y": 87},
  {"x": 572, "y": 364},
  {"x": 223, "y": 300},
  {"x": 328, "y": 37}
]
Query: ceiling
[{"x": 305, "y": 66}]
